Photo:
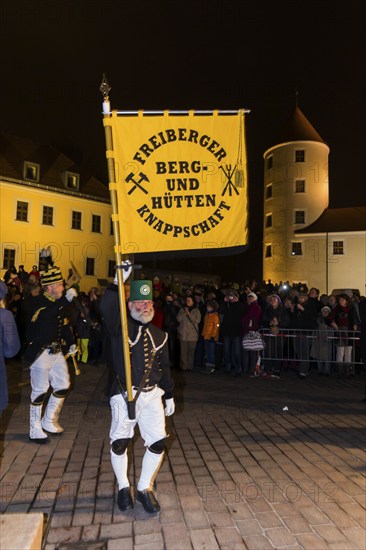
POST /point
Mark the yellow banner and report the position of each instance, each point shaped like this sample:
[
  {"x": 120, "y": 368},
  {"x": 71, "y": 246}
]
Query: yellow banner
[{"x": 181, "y": 180}]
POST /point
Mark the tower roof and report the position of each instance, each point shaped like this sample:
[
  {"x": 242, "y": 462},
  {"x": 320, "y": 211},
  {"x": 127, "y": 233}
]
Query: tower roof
[
  {"x": 298, "y": 128},
  {"x": 338, "y": 219}
]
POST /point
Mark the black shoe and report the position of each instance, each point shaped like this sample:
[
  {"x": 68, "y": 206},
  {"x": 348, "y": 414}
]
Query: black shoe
[
  {"x": 148, "y": 501},
  {"x": 40, "y": 440},
  {"x": 125, "y": 501}
]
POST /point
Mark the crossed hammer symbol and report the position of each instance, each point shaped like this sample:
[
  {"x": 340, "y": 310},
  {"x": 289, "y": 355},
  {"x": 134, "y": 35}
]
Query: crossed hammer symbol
[{"x": 130, "y": 178}]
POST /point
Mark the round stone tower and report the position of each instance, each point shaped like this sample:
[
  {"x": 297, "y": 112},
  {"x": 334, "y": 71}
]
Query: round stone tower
[{"x": 296, "y": 192}]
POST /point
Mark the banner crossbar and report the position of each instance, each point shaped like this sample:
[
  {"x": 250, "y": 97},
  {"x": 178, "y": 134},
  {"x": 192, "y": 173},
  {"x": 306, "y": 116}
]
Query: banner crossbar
[{"x": 160, "y": 113}]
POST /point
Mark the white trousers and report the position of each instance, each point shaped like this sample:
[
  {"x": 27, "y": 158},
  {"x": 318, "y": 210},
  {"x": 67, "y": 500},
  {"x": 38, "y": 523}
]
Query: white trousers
[
  {"x": 49, "y": 369},
  {"x": 150, "y": 417}
]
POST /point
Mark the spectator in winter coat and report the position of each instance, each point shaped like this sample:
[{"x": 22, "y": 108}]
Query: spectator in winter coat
[
  {"x": 210, "y": 334},
  {"x": 9, "y": 344},
  {"x": 189, "y": 318},
  {"x": 250, "y": 322},
  {"x": 303, "y": 316},
  {"x": 274, "y": 317},
  {"x": 343, "y": 318},
  {"x": 321, "y": 348},
  {"x": 231, "y": 332}
]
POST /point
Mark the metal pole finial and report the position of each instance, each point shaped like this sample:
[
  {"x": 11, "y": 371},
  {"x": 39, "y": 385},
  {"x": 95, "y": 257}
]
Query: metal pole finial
[{"x": 105, "y": 87}]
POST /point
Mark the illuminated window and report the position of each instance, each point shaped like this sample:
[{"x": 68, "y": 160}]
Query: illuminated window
[
  {"x": 269, "y": 191},
  {"x": 296, "y": 249},
  {"x": 31, "y": 171},
  {"x": 269, "y": 220},
  {"x": 111, "y": 268},
  {"x": 89, "y": 267},
  {"x": 300, "y": 155},
  {"x": 22, "y": 211},
  {"x": 338, "y": 248},
  {"x": 269, "y": 251},
  {"x": 299, "y": 216},
  {"x": 300, "y": 186},
  {"x": 96, "y": 223},
  {"x": 8, "y": 258},
  {"x": 72, "y": 180},
  {"x": 47, "y": 217},
  {"x": 76, "y": 220}
]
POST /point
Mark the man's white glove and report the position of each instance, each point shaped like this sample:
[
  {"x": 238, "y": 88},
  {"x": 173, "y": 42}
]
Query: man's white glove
[
  {"x": 71, "y": 294},
  {"x": 73, "y": 349},
  {"x": 126, "y": 271},
  {"x": 169, "y": 407}
]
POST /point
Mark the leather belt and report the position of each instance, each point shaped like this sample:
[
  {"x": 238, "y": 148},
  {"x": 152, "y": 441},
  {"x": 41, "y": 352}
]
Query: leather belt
[
  {"x": 53, "y": 348},
  {"x": 145, "y": 389}
]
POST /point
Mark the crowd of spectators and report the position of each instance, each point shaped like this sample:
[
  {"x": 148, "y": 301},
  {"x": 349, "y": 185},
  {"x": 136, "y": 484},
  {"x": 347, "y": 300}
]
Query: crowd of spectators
[{"x": 206, "y": 322}]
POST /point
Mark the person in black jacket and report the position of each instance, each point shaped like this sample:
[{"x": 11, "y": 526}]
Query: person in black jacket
[
  {"x": 303, "y": 317},
  {"x": 231, "y": 332},
  {"x": 149, "y": 354},
  {"x": 45, "y": 337}
]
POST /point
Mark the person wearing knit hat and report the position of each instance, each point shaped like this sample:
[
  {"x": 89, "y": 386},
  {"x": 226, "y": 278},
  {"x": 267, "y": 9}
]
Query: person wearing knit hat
[
  {"x": 9, "y": 344},
  {"x": 151, "y": 380},
  {"x": 44, "y": 350}
]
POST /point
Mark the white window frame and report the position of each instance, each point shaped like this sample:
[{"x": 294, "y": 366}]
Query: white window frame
[
  {"x": 337, "y": 241},
  {"x": 76, "y": 177},
  {"x": 295, "y": 186},
  {"x": 269, "y": 216},
  {"x": 295, "y": 214},
  {"x": 32, "y": 165},
  {"x": 292, "y": 253}
]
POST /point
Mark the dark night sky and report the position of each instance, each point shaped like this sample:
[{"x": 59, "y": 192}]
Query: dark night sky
[{"x": 202, "y": 54}]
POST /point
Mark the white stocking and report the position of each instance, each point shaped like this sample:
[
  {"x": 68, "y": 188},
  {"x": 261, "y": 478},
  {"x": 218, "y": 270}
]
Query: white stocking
[
  {"x": 150, "y": 467},
  {"x": 119, "y": 465}
]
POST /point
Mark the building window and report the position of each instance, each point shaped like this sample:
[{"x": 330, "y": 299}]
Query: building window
[
  {"x": 96, "y": 223},
  {"x": 31, "y": 171},
  {"x": 9, "y": 258},
  {"x": 300, "y": 186},
  {"x": 89, "y": 268},
  {"x": 270, "y": 163},
  {"x": 299, "y": 216},
  {"x": 76, "y": 220},
  {"x": 22, "y": 211},
  {"x": 111, "y": 268},
  {"x": 296, "y": 249},
  {"x": 338, "y": 248},
  {"x": 47, "y": 217},
  {"x": 111, "y": 227},
  {"x": 269, "y": 191},
  {"x": 72, "y": 180},
  {"x": 269, "y": 220},
  {"x": 300, "y": 155},
  {"x": 268, "y": 251}
]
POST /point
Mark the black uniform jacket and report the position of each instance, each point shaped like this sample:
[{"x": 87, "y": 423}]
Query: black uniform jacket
[
  {"x": 142, "y": 340},
  {"x": 45, "y": 323}
]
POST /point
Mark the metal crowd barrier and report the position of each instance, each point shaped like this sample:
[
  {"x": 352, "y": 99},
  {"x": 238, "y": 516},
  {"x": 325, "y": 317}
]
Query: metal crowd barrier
[{"x": 329, "y": 346}]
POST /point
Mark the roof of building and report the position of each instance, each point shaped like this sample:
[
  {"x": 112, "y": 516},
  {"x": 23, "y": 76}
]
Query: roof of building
[
  {"x": 14, "y": 151},
  {"x": 338, "y": 220},
  {"x": 298, "y": 128}
]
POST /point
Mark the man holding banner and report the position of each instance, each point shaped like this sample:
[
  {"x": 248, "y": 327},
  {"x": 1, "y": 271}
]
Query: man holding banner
[
  {"x": 177, "y": 182},
  {"x": 150, "y": 371}
]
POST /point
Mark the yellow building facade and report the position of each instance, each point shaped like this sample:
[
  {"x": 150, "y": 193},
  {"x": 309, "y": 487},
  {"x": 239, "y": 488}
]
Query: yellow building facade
[{"x": 46, "y": 202}]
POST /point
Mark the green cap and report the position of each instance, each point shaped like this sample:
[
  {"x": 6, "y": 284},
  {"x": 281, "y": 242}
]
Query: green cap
[{"x": 140, "y": 290}]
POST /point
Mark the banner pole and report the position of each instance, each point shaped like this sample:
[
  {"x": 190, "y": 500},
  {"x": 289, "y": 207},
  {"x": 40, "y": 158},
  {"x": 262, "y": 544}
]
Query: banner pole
[{"x": 117, "y": 247}]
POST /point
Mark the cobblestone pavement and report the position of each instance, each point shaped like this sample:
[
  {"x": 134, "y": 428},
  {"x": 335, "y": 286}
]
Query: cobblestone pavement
[{"x": 251, "y": 463}]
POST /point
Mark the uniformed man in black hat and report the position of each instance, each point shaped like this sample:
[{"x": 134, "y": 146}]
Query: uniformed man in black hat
[
  {"x": 149, "y": 354},
  {"x": 44, "y": 350}
]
